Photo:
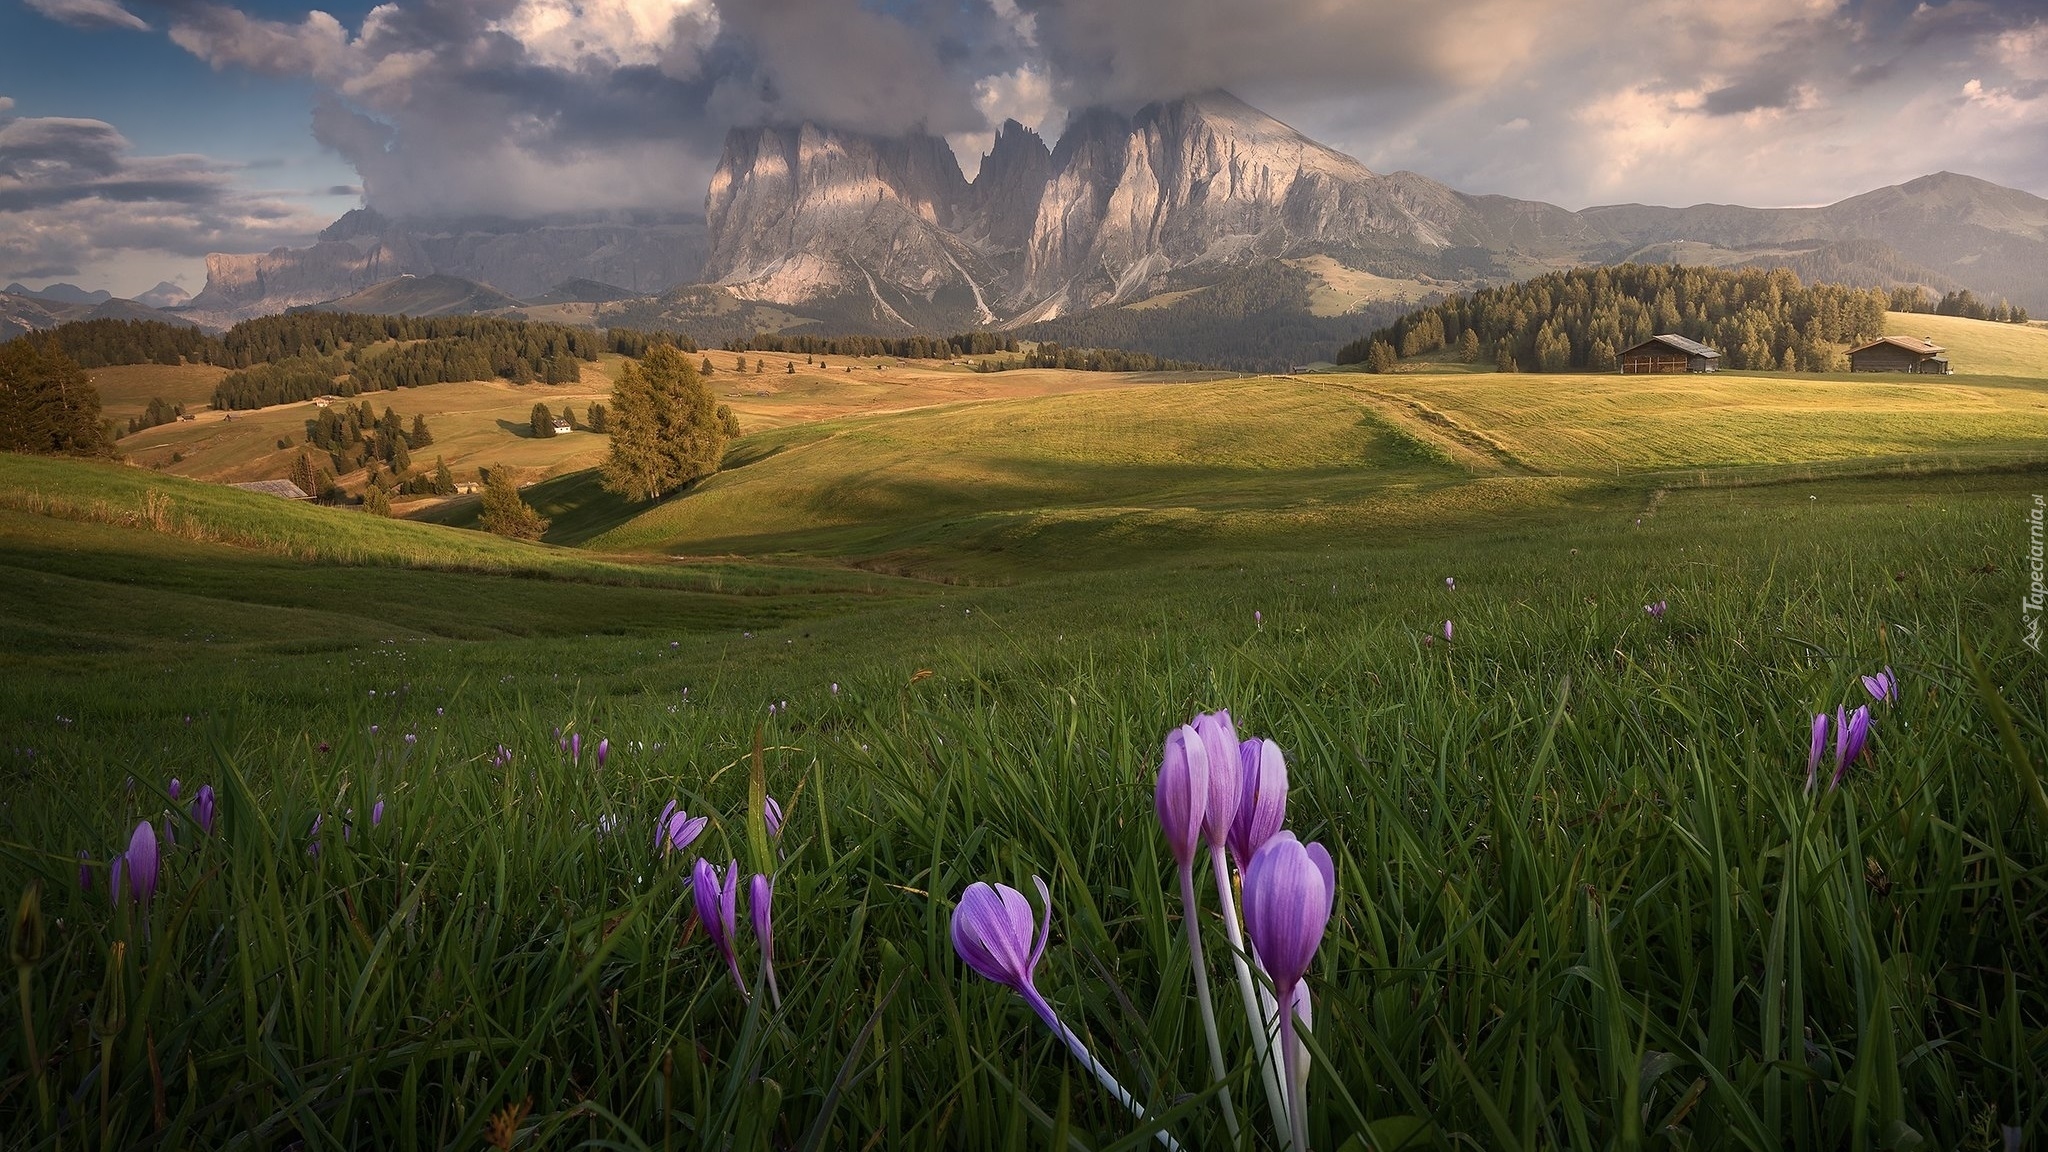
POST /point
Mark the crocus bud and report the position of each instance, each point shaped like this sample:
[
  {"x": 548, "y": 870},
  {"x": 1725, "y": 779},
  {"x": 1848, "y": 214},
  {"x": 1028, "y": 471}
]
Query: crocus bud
[
  {"x": 1262, "y": 801},
  {"x": 1447, "y": 631},
  {"x": 1852, "y": 731},
  {"x": 204, "y": 812},
  {"x": 717, "y": 900},
  {"x": 576, "y": 746},
  {"x": 25, "y": 945},
  {"x": 377, "y": 812},
  {"x": 1451, "y": 583},
  {"x": 1289, "y": 891},
  {"x": 172, "y": 789},
  {"x": 604, "y": 749},
  {"x": 993, "y": 930},
  {"x": 1182, "y": 792},
  {"x": 1814, "y": 751},
  {"x": 675, "y": 830},
  {"x": 84, "y": 870},
  {"x": 141, "y": 862},
  {"x": 1219, "y": 745}
]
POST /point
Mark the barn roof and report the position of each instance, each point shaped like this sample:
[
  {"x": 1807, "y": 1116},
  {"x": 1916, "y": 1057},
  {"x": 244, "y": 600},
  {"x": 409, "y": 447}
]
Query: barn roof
[
  {"x": 283, "y": 489},
  {"x": 1917, "y": 344},
  {"x": 1689, "y": 347}
]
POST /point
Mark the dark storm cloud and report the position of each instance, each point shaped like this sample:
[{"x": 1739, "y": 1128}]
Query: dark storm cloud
[{"x": 72, "y": 191}]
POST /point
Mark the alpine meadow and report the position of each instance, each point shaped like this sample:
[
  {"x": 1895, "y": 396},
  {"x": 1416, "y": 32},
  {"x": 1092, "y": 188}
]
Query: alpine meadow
[{"x": 615, "y": 594}]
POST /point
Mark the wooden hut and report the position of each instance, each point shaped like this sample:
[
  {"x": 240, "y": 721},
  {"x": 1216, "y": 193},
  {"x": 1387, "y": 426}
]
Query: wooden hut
[
  {"x": 1669, "y": 353},
  {"x": 1911, "y": 354}
]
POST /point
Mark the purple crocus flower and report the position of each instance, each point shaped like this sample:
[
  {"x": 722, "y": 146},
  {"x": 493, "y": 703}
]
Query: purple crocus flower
[
  {"x": 141, "y": 862},
  {"x": 204, "y": 809},
  {"x": 1258, "y": 618},
  {"x": 172, "y": 789},
  {"x": 1289, "y": 890},
  {"x": 1451, "y": 583},
  {"x": 998, "y": 936},
  {"x": 1219, "y": 742},
  {"x": 1852, "y": 731},
  {"x": 760, "y": 900},
  {"x": 377, "y": 812},
  {"x": 1181, "y": 795},
  {"x": 1882, "y": 687},
  {"x": 676, "y": 830},
  {"x": 604, "y": 749},
  {"x": 1819, "y": 745},
  {"x": 1447, "y": 631},
  {"x": 575, "y": 747},
  {"x": 1262, "y": 805},
  {"x": 771, "y": 812},
  {"x": 718, "y": 910},
  {"x": 1656, "y": 610},
  {"x": 313, "y": 835}
]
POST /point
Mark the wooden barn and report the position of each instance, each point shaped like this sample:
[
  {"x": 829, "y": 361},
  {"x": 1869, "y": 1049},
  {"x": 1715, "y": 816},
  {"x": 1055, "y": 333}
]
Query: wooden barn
[
  {"x": 1670, "y": 353},
  {"x": 1901, "y": 354}
]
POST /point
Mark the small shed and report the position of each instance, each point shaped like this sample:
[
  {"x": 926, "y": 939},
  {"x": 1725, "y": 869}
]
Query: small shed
[
  {"x": 1913, "y": 354},
  {"x": 282, "y": 489},
  {"x": 1669, "y": 353},
  {"x": 563, "y": 427}
]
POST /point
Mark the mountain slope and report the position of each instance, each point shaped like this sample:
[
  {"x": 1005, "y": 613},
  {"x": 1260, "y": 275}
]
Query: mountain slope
[{"x": 423, "y": 296}]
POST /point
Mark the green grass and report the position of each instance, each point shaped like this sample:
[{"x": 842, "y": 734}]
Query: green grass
[
  {"x": 1584, "y": 901},
  {"x": 1979, "y": 347}
]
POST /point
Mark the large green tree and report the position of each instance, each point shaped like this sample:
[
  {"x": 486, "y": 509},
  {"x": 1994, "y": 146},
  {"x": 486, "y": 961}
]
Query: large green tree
[
  {"x": 47, "y": 405},
  {"x": 664, "y": 427},
  {"x": 505, "y": 513}
]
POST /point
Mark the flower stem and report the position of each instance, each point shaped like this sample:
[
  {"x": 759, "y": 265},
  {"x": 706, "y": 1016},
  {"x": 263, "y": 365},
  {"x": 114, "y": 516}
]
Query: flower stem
[
  {"x": 1290, "y": 1055},
  {"x": 1201, "y": 974},
  {"x": 1088, "y": 1061},
  {"x": 1265, "y": 1032}
]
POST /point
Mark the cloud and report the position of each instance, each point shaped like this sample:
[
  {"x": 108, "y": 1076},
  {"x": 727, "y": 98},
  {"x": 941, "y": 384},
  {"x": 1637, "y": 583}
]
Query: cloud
[
  {"x": 74, "y": 194},
  {"x": 90, "y": 14}
]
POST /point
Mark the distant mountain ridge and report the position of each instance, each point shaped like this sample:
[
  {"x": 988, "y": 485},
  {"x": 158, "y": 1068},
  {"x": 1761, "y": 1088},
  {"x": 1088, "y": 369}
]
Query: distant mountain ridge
[{"x": 812, "y": 226}]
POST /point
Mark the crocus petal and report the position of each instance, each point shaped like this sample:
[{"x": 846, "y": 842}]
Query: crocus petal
[
  {"x": 992, "y": 932},
  {"x": 576, "y": 746},
  {"x": 604, "y": 749},
  {"x": 377, "y": 812},
  {"x": 661, "y": 826},
  {"x": 1219, "y": 745},
  {"x": 1181, "y": 794},
  {"x": 1287, "y": 903},
  {"x": 762, "y": 892},
  {"x": 174, "y": 786},
  {"x": 1044, "y": 932},
  {"x": 142, "y": 860},
  {"x": 203, "y": 808},
  {"x": 1262, "y": 804},
  {"x": 771, "y": 812},
  {"x": 1447, "y": 630}
]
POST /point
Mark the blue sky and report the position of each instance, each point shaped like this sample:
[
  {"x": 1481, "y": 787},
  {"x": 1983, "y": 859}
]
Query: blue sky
[{"x": 137, "y": 135}]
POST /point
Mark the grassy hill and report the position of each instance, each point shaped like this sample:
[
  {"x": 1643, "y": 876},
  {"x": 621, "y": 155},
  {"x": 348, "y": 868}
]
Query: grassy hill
[
  {"x": 423, "y": 296},
  {"x": 1979, "y": 347}
]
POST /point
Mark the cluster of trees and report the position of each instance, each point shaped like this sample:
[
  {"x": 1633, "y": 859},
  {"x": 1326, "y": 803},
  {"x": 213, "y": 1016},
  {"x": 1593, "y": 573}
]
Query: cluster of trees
[
  {"x": 505, "y": 513},
  {"x": 102, "y": 343},
  {"x": 159, "y": 411},
  {"x": 900, "y": 347},
  {"x": 47, "y": 404},
  {"x": 1082, "y": 360},
  {"x": 542, "y": 420},
  {"x": 1582, "y": 319},
  {"x": 1961, "y": 302},
  {"x": 356, "y": 437}
]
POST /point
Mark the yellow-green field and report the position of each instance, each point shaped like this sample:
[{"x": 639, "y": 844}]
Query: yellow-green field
[
  {"x": 126, "y": 389},
  {"x": 1978, "y": 347}
]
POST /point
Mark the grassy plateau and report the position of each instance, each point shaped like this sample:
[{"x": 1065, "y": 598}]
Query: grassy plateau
[{"x": 1585, "y": 898}]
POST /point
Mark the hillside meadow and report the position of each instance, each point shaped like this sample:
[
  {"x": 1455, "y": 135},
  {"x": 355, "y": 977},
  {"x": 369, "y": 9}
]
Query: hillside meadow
[{"x": 1586, "y": 897}]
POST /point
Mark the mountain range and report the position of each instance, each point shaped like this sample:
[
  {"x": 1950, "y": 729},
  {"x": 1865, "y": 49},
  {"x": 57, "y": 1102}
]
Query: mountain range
[{"x": 1195, "y": 214}]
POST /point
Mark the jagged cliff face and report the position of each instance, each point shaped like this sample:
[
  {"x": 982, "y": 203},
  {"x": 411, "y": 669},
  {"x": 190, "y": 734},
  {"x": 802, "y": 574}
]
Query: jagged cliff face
[
  {"x": 363, "y": 249},
  {"x": 800, "y": 215}
]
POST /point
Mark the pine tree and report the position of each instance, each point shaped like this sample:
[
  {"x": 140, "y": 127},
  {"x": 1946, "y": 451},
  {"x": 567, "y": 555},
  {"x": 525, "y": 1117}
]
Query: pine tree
[
  {"x": 444, "y": 480},
  {"x": 598, "y": 417},
  {"x": 542, "y": 421},
  {"x": 375, "y": 502},
  {"x": 704, "y": 369},
  {"x": 665, "y": 428},
  {"x": 792, "y": 366},
  {"x": 304, "y": 475},
  {"x": 47, "y": 404},
  {"x": 729, "y": 422},
  {"x": 504, "y": 513},
  {"x": 420, "y": 437}
]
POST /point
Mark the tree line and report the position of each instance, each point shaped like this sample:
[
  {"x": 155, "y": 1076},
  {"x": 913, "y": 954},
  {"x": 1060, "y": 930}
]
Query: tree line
[
  {"x": 1584, "y": 318},
  {"x": 900, "y": 347},
  {"x": 1961, "y": 302},
  {"x": 1050, "y": 355}
]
